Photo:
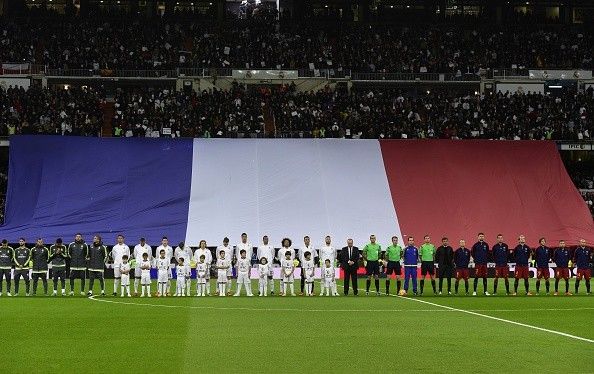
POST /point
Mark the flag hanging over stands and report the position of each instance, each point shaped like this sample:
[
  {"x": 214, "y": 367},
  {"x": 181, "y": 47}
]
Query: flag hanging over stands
[{"x": 193, "y": 189}]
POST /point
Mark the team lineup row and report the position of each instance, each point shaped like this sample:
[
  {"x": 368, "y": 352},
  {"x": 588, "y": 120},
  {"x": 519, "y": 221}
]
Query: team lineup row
[{"x": 78, "y": 257}]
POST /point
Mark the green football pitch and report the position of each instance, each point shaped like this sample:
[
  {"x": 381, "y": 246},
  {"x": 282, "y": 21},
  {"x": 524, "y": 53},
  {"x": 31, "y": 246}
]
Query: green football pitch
[{"x": 544, "y": 334}]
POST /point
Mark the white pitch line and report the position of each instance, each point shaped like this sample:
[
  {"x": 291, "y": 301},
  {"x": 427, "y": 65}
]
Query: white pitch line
[
  {"x": 328, "y": 310},
  {"x": 498, "y": 319}
]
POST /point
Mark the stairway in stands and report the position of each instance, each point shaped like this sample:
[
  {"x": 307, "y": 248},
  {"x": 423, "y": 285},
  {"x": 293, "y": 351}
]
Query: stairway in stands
[
  {"x": 269, "y": 125},
  {"x": 108, "y": 114}
]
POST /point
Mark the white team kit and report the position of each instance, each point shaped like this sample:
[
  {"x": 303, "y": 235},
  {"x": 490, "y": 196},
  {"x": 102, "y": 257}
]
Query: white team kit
[
  {"x": 139, "y": 251},
  {"x": 201, "y": 278},
  {"x": 183, "y": 273},
  {"x": 117, "y": 252},
  {"x": 327, "y": 252},
  {"x": 228, "y": 255},
  {"x": 145, "y": 277},
  {"x": 125, "y": 274},
  {"x": 244, "y": 267},
  {"x": 163, "y": 269},
  {"x": 207, "y": 262},
  {"x": 168, "y": 256},
  {"x": 263, "y": 271},
  {"x": 267, "y": 251},
  {"x": 287, "y": 276},
  {"x": 223, "y": 266},
  {"x": 308, "y": 269},
  {"x": 328, "y": 280}
]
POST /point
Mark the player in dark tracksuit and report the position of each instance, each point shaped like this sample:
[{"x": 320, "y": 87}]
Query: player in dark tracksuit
[
  {"x": 6, "y": 256},
  {"x": 22, "y": 257},
  {"x": 40, "y": 258},
  {"x": 78, "y": 253},
  {"x": 500, "y": 257},
  {"x": 58, "y": 255},
  {"x": 97, "y": 259},
  {"x": 444, "y": 255},
  {"x": 543, "y": 257},
  {"x": 480, "y": 251},
  {"x": 561, "y": 258},
  {"x": 582, "y": 257}
]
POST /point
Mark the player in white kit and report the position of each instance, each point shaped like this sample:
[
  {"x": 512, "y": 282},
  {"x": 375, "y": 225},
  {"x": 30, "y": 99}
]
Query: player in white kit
[
  {"x": 246, "y": 246},
  {"x": 285, "y": 247},
  {"x": 163, "y": 269},
  {"x": 223, "y": 266},
  {"x": 183, "y": 272},
  {"x": 263, "y": 271},
  {"x": 228, "y": 255},
  {"x": 139, "y": 251},
  {"x": 185, "y": 252},
  {"x": 168, "y": 255},
  {"x": 327, "y": 252},
  {"x": 308, "y": 270},
  {"x": 145, "y": 275},
  {"x": 288, "y": 267},
  {"x": 266, "y": 251},
  {"x": 201, "y": 273},
  {"x": 125, "y": 275},
  {"x": 119, "y": 250},
  {"x": 244, "y": 267},
  {"x": 203, "y": 251},
  {"x": 328, "y": 274},
  {"x": 307, "y": 247}
]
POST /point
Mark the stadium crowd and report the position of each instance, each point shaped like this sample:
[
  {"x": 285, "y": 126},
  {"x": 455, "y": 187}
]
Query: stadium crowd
[
  {"x": 75, "y": 111},
  {"x": 129, "y": 42}
]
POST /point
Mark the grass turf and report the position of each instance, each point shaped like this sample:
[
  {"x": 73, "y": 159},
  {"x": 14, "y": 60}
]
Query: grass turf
[{"x": 291, "y": 334}]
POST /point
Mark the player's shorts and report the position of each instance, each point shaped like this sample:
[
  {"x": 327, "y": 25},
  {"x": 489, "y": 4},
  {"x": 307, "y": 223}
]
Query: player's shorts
[
  {"x": 393, "y": 268},
  {"x": 584, "y": 273},
  {"x": 462, "y": 273},
  {"x": 116, "y": 271},
  {"x": 163, "y": 276},
  {"x": 446, "y": 271},
  {"x": 480, "y": 270},
  {"x": 522, "y": 272},
  {"x": 288, "y": 279},
  {"x": 145, "y": 279},
  {"x": 243, "y": 277},
  {"x": 543, "y": 273},
  {"x": 125, "y": 279},
  {"x": 328, "y": 282},
  {"x": 137, "y": 272},
  {"x": 427, "y": 267},
  {"x": 372, "y": 268},
  {"x": 222, "y": 276},
  {"x": 562, "y": 273},
  {"x": 502, "y": 271}
]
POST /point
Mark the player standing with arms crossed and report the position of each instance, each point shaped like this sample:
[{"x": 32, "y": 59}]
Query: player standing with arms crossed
[
  {"x": 125, "y": 276},
  {"x": 162, "y": 264},
  {"x": 228, "y": 256},
  {"x": 479, "y": 252},
  {"x": 223, "y": 266},
  {"x": 288, "y": 267},
  {"x": 119, "y": 250},
  {"x": 169, "y": 256},
  {"x": 543, "y": 257},
  {"x": 78, "y": 252},
  {"x": 427, "y": 253},
  {"x": 243, "y": 245},
  {"x": 145, "y": 274},
  {"x": 201, "y": 271},
  {"x": 263, "y": 271},
  {"x": 501, "y": 253},
  {"x": 307, "y": 247},
  {"x": 308, "y": 271},
  {"x": 185, "y": 252}
]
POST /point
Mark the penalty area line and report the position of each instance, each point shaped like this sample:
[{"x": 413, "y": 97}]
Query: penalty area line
[{"x": 497, "y": 319}]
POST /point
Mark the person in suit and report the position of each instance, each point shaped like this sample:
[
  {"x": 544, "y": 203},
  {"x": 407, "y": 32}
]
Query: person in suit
[{"x": 349, "y": 261}]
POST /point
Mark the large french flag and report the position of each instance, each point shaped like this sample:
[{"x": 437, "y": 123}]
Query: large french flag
[{"x": 191, "y": 190}]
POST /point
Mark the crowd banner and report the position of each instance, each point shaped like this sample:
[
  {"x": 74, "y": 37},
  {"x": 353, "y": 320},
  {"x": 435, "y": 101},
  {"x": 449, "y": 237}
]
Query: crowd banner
[{"x": 194, "y": 189}]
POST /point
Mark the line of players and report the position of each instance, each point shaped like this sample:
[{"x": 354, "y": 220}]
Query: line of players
[{"x": 92, "y": 258}]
